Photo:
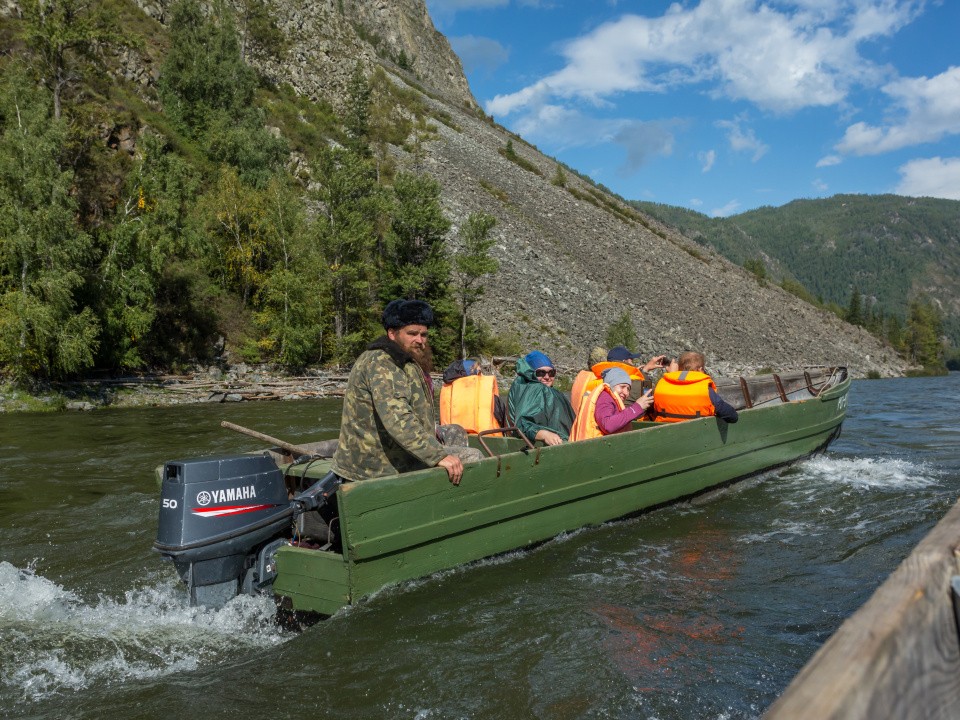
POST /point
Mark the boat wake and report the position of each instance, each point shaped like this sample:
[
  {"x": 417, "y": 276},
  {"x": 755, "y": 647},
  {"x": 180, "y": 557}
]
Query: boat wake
[
  {"x": 56, "y": 642},
  {"x": 869, "y": 473}
]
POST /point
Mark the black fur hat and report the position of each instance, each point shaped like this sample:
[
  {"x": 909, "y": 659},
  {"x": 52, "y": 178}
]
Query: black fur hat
[{"x": 399, "y": 313}]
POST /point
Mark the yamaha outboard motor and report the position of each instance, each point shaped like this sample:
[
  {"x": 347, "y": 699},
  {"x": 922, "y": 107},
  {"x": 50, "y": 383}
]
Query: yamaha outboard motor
[{"x": 221, "y": 521}]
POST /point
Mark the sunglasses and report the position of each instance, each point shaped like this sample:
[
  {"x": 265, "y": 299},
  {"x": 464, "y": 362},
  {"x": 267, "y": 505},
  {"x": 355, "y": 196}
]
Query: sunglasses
[{"x": 547, "y": 373}]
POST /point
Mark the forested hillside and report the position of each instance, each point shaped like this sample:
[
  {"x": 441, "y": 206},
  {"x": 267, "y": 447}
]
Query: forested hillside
[
  {"x": 872, "y": 256},
  {"x": 139, "y": 224}
]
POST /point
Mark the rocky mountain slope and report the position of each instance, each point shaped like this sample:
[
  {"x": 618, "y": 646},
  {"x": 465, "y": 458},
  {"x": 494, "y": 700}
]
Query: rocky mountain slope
[{"x": 572, "y": 257}]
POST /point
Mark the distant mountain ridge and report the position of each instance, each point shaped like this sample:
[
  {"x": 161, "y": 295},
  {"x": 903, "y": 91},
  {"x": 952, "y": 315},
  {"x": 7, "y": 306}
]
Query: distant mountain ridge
[{"x": 891, "y": 248}]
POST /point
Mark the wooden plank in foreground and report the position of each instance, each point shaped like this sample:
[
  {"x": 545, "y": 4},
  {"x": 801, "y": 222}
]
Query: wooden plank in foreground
[{"x": 898, "y": 655}]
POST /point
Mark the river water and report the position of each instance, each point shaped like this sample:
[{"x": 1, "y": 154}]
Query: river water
[{"x": 702, "y": 610}]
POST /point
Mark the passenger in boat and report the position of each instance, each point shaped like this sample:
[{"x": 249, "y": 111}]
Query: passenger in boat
[
  {"x": 619, "y": 357},
  {"x": 604, "y": 411},
  {"x": 470, "y": 399},
  {"x": 388, "y": 425},
  {"x": 686, "y": 392},
  {"x": 538, "y": 409}
]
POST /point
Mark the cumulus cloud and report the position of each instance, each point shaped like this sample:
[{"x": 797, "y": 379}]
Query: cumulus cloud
[
  {"x": 743, "y": 140},
  {"x": 707, "y": 159},
  {"x": 479, "y": 53},
  {"x": 829, "y": 160},
  {"x": 696, "y": 202},
  {"x": 781, "y": 57},
  {"x": 726, "y": 210},
  {"x": 927, "y": 110},
  {"x": 931, "y": 177},
  {"x": 820, "y": 186}
]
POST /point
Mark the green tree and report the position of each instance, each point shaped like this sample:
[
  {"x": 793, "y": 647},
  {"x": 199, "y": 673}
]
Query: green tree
[
  {"x": 204, "y": 70},
  {"x": 150, "y": 228},
  {"x": 351, "y": 203},
  {"x": 415, "y": 258},
  {"x": 357, "y": 114},
  {"x": 924, "y": 327},
  {"x": 59, "y": 32},
  {"x": 417, "y": 265},
  {"x": 623, "y": 333},
  {"x": 291, "y": 297},
  {"x": 234, "y": 223},
  {"x": 43, "y": 331},
  {"x": 854, "y": 313},
  {"x": 470, "y": 265}
]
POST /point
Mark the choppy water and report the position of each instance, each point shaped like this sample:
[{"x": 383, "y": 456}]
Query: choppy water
[{"x": 702, "y": 610}]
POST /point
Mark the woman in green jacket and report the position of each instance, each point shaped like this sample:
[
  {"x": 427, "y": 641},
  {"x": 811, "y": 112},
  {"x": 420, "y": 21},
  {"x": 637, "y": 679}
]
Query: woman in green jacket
[{"x": 539, "y": 410}]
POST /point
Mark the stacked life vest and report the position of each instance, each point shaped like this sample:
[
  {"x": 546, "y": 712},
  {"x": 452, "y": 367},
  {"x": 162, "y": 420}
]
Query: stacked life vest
[
  {"x": 683, "y": 395},
  {"x": 588, "y": 380},
  {"x": 468, "y": 401},
  {"x": 585, "y": 426}
]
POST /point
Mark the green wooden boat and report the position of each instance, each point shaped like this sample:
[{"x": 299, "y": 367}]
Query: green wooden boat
[{"x": 403, "y": 527}]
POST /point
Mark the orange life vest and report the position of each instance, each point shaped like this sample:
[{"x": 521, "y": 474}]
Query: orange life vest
[
  {"x": 468, "y": 401},
  {"x": 600, "y": 368},
  {"x": 585, "y": 426},
  {"x": 683, "y": 395},
  {"x": 588, "y": 380},
  {"x": 583, "y": 384}
]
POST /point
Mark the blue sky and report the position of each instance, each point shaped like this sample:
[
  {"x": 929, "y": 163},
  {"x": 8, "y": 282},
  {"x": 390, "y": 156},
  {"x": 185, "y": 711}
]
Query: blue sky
[{"x": 722, "y": 106}]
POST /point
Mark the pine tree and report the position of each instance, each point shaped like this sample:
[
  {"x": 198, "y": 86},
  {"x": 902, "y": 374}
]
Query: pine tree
[
  {"x": 854, "y": 313},
  {"x": 470, "y": 265}
]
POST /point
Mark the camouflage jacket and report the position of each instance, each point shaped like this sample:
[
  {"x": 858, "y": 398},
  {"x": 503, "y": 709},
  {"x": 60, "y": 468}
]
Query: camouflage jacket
[{"x": 388, "y": 423}]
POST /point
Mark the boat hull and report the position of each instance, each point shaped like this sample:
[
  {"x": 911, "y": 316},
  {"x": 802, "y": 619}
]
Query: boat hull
[{"x": 408, "y": 526}]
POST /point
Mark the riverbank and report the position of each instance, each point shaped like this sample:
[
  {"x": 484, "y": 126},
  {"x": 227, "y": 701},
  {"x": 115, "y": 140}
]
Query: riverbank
[{"x": 236, "y": 383}]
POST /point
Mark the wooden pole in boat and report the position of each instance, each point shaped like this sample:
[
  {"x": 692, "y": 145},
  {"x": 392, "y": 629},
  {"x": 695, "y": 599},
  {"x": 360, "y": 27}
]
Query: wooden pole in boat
[{"x": 292, "y": 449}]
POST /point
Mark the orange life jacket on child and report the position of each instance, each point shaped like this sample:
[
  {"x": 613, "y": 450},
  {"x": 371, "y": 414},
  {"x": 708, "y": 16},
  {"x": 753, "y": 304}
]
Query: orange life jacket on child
[{"x": 683, "y": 395}]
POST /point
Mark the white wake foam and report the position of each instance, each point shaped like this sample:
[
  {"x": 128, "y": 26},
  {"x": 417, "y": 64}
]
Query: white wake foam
[
  {"x": 55, "y": 641},
  {"x": 878, "y": 473}
]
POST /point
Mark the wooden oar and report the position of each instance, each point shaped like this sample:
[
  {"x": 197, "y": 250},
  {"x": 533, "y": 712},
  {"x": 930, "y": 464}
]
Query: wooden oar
[{"x": 292, "y": 449}]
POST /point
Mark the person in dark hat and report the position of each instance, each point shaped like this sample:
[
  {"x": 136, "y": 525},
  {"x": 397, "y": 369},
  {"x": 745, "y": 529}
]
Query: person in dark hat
[
  {"x": 621, "y": 357},
  {"x": 389, "y": 425}
]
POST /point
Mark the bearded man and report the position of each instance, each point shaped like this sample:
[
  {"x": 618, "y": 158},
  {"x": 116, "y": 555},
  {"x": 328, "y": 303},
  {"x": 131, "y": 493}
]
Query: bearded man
[{"x": 388, "y": 425}]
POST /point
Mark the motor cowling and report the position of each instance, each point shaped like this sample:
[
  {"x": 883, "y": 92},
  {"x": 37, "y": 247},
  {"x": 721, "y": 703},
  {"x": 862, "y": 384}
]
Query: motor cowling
[{"x": 218, "y": 516}]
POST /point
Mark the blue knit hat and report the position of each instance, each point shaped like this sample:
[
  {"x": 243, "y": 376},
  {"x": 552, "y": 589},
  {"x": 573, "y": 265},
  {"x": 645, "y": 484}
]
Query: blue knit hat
[{"x": 537, "y": 359}]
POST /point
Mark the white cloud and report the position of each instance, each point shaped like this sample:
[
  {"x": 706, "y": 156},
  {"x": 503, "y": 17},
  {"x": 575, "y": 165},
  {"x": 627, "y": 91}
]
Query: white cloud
[
  {"x": 707, "y": 159},
  {"x": 479, "y": 53},
  {"x": 726, "y": 210},
  {"x": 781, "y": 57},
  {"x": 931, "y": 177},
  {"x": 820, "y": 186},
  {"x": 929, "y": 109},
  {"x": 743, "y": 140},
  {"x": 696, "y": 202},
  {"x": 828, "y": 160}
]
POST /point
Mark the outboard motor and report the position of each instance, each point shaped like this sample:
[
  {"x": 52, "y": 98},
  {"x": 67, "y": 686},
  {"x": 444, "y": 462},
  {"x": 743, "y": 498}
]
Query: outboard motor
[{"x": 221, "y": 521}]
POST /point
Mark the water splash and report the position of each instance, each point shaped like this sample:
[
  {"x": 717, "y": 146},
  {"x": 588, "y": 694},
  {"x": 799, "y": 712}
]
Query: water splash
[
  {"x": 878, "y": 473},
  {"x": 57, "y": 642}
]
